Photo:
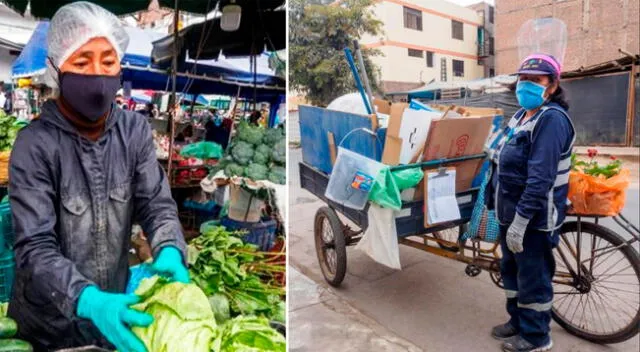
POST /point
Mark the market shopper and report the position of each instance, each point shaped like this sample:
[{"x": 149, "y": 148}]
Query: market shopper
[
  {"x": 79, "y": 177},
  {"x": 529, "y": 186}
]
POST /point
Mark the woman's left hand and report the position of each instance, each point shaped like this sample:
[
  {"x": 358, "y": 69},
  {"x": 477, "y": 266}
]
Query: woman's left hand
[{"x": 170, "y": 263}]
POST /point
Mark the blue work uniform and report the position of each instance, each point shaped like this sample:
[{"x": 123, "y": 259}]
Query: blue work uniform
[{"x": 530, "y": 176}]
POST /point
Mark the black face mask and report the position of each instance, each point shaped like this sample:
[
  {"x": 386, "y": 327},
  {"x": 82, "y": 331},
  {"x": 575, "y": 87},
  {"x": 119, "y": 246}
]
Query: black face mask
[{"x": 90, "y": 96}]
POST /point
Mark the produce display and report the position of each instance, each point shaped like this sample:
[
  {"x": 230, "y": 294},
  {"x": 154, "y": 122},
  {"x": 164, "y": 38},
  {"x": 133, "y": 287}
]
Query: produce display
[
  {"x": 184, "y": 321},
  {"x": 233, "y": 274},
  {"x": 9, "y": 127},
  {"x": 8, "y": 329},
  {"x": 256, "y": 153}
]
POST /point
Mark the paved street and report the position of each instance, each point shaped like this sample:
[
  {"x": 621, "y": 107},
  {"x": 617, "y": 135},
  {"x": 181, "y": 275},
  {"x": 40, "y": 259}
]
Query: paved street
[{"x": 429, "y": 305}]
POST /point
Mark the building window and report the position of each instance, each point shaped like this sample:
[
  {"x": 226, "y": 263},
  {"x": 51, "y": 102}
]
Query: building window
[
  {"x": 458, "y": 68},
  {"x": 457, "y": 31},
  {"x": 412, "y": 19},
  {"x": 491, "y": 46},
  {"x": 492, "y": 72},
  {"x": 491, "y": 10},
  {"x": 415, "y": 53},
  {"x": 443, "y": 69},
  {"x": 429, "y": 59}
]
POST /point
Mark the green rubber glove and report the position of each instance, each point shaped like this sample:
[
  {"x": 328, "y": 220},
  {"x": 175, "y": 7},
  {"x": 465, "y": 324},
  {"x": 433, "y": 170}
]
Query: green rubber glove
[
  {"x": 170, "y": 264},
  {"x": 111, "y": 314}
]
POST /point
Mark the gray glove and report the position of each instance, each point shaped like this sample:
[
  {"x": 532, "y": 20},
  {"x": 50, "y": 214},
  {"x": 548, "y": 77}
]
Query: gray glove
[{"x": 515, "y": 233}]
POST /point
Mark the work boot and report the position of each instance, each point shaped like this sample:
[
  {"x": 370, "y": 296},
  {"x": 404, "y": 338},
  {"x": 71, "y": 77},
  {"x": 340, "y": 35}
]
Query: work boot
[
  {"x": 504, "y": 331},
  {"x": 519, "y": 344}
]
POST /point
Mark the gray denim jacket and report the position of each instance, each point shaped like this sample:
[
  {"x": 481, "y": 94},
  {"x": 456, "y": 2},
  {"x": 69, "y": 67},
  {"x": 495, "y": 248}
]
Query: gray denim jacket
[{"x": 74, "y": 202}]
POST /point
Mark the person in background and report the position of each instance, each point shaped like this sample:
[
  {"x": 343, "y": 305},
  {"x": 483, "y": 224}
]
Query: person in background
[
  {"x": 254, "y": 118},
  {"x": 217, "y": 129},
  {"x": 528, "y": 190},
  {"x": 186, "y": 135},
  {"x": 79, "y": 177}
]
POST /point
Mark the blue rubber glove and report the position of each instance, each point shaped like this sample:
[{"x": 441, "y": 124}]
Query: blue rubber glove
[
  {"x": 111, "y": 314},
  {"x": 169, "y": 263}
]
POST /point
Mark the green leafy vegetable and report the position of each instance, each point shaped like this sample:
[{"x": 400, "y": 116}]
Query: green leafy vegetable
[
  {"x": 242, "y": 152},
  {"x": 279, "y": 154},
  {"x": 183, "y": 320},
  {"x": 250, "y": 134},
  {"x": 248, "y": 334},
  {"x": 273, "y": 136},
  {"x": 256, "y": 172},
  {"x": 220, "y": 307},
  {"x": 261, "y": 158},
  {"x": 233, "y": 169},
  {"x": 278, "y": 174}
]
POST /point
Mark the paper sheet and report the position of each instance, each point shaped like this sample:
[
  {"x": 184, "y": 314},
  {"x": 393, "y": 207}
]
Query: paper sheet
[{"x": 442, "y": 204}]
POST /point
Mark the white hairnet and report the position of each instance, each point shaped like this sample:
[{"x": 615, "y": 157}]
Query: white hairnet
[{"x": 73, "y": 25}]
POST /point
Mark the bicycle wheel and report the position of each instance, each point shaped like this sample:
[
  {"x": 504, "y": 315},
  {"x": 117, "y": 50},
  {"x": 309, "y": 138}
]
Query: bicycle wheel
[
  {"x": 330, "y": 245},
  {"x": 451, "y": 235},
  {"x": 597, "y": 284}
]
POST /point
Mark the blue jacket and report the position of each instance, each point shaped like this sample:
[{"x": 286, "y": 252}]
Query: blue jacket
[
  {"x": 74, "y": 202},
  {"x": 530, "y": 169}
]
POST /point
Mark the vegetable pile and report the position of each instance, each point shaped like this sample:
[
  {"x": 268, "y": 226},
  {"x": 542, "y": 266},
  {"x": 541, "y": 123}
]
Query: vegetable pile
[
  {"x": 9, "y": 127},
  {"x": 256, "y": 153},
  {"x": 233, "y": 274},
  {"x": 184, "y": 321},
  {"x": 8, "y": 329}
]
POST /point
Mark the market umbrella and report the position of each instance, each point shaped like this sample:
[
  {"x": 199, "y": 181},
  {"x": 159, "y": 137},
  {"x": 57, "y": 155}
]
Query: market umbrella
[{"x": 47, "y": 8}]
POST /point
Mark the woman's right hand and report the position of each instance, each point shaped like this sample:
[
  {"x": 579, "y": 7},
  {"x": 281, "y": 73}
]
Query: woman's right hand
[{"x": 111, "y": 314}]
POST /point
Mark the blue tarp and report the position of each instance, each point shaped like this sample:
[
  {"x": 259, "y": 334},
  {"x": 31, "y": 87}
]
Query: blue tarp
[
  {"x": 31, "y": 61},
  {"x": 224, "y": 77}
]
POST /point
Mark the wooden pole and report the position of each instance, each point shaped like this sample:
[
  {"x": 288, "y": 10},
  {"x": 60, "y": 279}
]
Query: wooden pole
[
  {"x": 233, "y": 117},
  {"x": 174, "y": 70}
]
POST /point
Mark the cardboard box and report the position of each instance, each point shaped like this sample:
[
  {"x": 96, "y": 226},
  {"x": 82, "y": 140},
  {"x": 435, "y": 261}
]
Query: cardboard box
[
  {"x": 407, "y": 132},
  {"x": 466, "y": 171},
  {"x": 382, "y": 106}
]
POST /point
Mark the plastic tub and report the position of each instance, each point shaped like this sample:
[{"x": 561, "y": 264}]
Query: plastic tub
[
  {"x": 7, "y": 235},
  {"x": 262, "y": 234},
  {"x": 352, "y": 179},
  {"x": 7, "y": 273}
]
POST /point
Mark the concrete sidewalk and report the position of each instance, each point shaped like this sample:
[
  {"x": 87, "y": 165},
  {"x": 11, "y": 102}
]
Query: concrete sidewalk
[{"x": 324, "y": 322}]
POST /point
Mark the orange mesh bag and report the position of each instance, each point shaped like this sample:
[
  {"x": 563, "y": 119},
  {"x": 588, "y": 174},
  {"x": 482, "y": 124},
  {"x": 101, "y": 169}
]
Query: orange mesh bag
[{"x": 598, "y": 195}]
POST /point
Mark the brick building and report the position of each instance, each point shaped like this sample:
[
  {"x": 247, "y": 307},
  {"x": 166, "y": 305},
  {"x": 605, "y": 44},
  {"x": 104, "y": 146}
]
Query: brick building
[{"x": 596, "y": 29}]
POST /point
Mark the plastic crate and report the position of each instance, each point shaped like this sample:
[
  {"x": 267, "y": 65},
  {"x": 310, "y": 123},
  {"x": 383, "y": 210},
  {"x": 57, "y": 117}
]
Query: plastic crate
[
  {"x": 7, "y": 235},
  {"x": 262, "y": 234},
  {"x": 7, "y": 273}
]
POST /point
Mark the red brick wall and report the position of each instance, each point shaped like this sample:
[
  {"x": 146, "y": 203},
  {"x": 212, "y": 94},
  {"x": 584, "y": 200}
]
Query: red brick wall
[{"x": 596, "y": 29}]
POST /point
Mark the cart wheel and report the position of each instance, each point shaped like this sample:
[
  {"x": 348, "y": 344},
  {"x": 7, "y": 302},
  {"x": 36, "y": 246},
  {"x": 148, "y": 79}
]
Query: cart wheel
[
  {"x": 602, "y": 303},
  {"x": 330, "y": 245},
  {"x": 495, "y": 274}
]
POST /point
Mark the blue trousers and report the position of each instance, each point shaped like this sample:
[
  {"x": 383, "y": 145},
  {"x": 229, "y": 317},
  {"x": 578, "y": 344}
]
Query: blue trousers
[{"x": 527, "y": 282}]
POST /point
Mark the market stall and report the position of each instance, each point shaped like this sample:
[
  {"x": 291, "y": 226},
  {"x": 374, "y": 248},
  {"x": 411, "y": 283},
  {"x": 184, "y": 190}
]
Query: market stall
[{"x": 236, "y": 298}]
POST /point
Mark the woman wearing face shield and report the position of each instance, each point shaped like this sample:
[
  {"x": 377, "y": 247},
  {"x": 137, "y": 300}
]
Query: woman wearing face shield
[
  {"x": 529, "y": 185},
  {"x": 80, "y": 176}
]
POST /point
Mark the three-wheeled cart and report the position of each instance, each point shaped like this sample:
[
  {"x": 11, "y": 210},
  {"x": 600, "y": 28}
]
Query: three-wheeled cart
[{"x": 597, "y": 279}]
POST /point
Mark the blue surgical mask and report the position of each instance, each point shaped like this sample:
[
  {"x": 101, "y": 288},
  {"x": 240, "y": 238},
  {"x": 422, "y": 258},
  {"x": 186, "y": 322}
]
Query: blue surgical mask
[{"x": 530, "y": 95}]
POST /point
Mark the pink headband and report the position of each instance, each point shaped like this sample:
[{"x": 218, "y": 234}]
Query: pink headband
[{"x": 546, "y": 58}]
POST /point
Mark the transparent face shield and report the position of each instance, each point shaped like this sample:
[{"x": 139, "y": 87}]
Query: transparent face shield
[{"x": 546, "y": 36}]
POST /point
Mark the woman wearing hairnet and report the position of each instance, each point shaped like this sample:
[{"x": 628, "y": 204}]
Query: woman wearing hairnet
[{"x": 79, "y": 177}]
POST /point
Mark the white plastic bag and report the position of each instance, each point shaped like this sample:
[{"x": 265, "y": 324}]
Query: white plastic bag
[{"x": 380, "y": 241}]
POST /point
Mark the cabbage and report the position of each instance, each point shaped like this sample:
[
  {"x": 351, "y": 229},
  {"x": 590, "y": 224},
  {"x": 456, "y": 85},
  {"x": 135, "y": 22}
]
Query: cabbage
[
  {"x": 250, "y": 134},
  {"x": 261, "y": 158},
  {"x": 272, "y": 136},
  {"x": 279, "y": 154},
  {"x": 242, "y": 153},
  {"x": 278, "y": 174},
  {"x": 256, "y": 172},
  {"x": 183, "y": 320},
  {"x": 233, "y": 169}
]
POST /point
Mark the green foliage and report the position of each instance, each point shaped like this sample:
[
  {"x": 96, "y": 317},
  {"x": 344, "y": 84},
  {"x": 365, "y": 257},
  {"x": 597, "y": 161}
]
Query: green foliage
[
  {"x": 221, "y": 264},
  {"x": 9, "y": 127},
  {"x": 246, "y": 334},
  {"x": 592, "y": 167},
  {"x": 317, "y": 37}
]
